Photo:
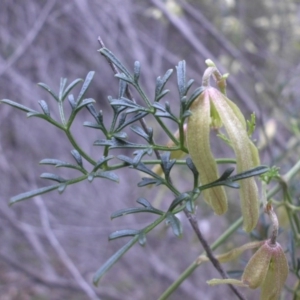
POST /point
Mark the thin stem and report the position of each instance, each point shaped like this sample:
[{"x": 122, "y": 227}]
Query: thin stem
[
  {"x": 209, "y": 252},
  {"x": 274, "y": 220},
  {"x": 76, "y": 146}
]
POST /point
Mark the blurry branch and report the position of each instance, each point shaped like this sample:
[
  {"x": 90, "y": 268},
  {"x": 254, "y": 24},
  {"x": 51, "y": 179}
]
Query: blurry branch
[
  {"x": 209, "y": 252},
  {"x": 65, "y": 259},
  {"x": 193, "y": 40},
  {"x": 51, "y": 282},
  {"x": 32, "y": 34},
  {"x": 31, "y": 235}
]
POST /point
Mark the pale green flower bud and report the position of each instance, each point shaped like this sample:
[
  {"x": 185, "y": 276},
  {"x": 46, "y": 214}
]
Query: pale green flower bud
[
  {"x": 199, "y": 148},
  {"x": 212, "y": 109},
  {"x": 268, "y": 268}
]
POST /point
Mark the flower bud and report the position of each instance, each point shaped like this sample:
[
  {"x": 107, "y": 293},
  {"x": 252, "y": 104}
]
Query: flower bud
[
  {"x": 212, "y": 108},
  {"x": 199, "y": 148},
  {"x": 268, "y": 268}
]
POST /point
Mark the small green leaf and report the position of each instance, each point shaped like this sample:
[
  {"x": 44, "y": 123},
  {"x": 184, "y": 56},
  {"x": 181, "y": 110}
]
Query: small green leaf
[
  {"x": 194, "y": 96},
  {"x": 70, "y": 87},
  {"x": 123, "y": 233},
  {"x": 113, "y": 259},
  {"x": 111, "y": 57},
  {"x": 84, "y": 103},
  {"x": 85, "y": 86},
  {"x": 18, "y": 106},
  {"x": 107, "y": 174},
  {"x": 161, "y": 82},
  {"x": 33, "y": 193},
  {"x": 148, "y": 181},
  {"x": 120, "y": 135},
  {"x": 101, "y": 161},
  {"x": 136, "y": 71},
  {"x": 71, "y": 100},
  {"x": 142, "y": 239},
  {"x": 125, "y": 78},
  {"x": 63, "y": 82},
  {"x": 250, "y": 173},
  {"x": 48, "y": 89},
  {"x": 135, "y": 118},
  {"x": 175, "y": 224},
  {"x": 140, "y": 131},
  {"x": 54, "y": 177},
  {"x": 181, "y": 78},
  {"x": 178, "y": 200},
  {"x": 77, "y": 157},
  {"x": 226, "y": 174},
  {"x": 134, "y": 210},
  {"x": 161, "y": 95},
  {"x": 44, "y": 107}
]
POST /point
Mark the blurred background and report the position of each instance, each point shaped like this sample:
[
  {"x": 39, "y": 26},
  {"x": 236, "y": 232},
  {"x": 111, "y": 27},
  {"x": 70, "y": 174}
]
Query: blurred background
[{"x": 52, "y": 245}]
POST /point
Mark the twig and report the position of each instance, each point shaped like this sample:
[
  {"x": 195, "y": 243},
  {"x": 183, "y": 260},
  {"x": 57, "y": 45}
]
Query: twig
[{"x": 209, "y": 253}]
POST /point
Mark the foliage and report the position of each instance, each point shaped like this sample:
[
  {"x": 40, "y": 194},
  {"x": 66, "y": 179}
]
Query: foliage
[{"x": 132, "y": 115}]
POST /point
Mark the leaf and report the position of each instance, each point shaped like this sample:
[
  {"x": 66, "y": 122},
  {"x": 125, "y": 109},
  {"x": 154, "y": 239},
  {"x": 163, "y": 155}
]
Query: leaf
[
  {"x": 192, "y": 167},
  {"x": 101, "y": 161},
  {"x": 129, "y": 104},
  {"x": 178, "y": 200},
  {"x": 77, "y": 157},
  {"x": 84, "y": 103},
  {"x": 124, "y": 78},
  {"x": 113, "y": 259},
  {"x": 106, "y": 174},
  {"x": 175, "y": 224},
  {"x": 134, "y": 210},
  {"x": 138, "y": 155},
  {"x": 146, "y": 181},
  {"x": 63, "y": 82},
  {"x": 140, "y": 131},
  {"x": 85, "y": 86},
  {"x": 70, "y": 87},
  {"x": 166, "y": 163},
  {"x": 59, "y": 163},
  {"x": 189, "y": 84},
  {"x": 136, "y": 71},
  {"x": 71, "y": 100},
  {"x": 123, "y": 233},
  {"x": 250, "y": 173},
  {"x": 48, "y": 89},
  {"x": 181, "y": 78},
  {"x": 44, "y": 107},
  {"x": 33, "y": 193},
  {"x": 226, "y": 174},
  {"x": 122, "y": 88},
  {"x": 142, "y": 239},
  {"x": 18, "y": 106},
  {"x": 111, "y": 57},
  {"x": 160, "y": 83},
  {"x": 194, "y": 96},
  {"x": 120, "y": 135},
  {"x": 136, "y": 117},
  {"x": 161, "y": 95},
  {"x": 54, "y": 177}
]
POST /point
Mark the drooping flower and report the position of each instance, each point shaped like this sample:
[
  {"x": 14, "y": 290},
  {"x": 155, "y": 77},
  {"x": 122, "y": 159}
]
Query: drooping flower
[
  {"x": 213, "y": 109},
  {"x": 267, "y": 269}
]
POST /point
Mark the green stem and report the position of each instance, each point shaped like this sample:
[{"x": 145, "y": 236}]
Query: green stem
[{"x": 76, "y": 146}]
